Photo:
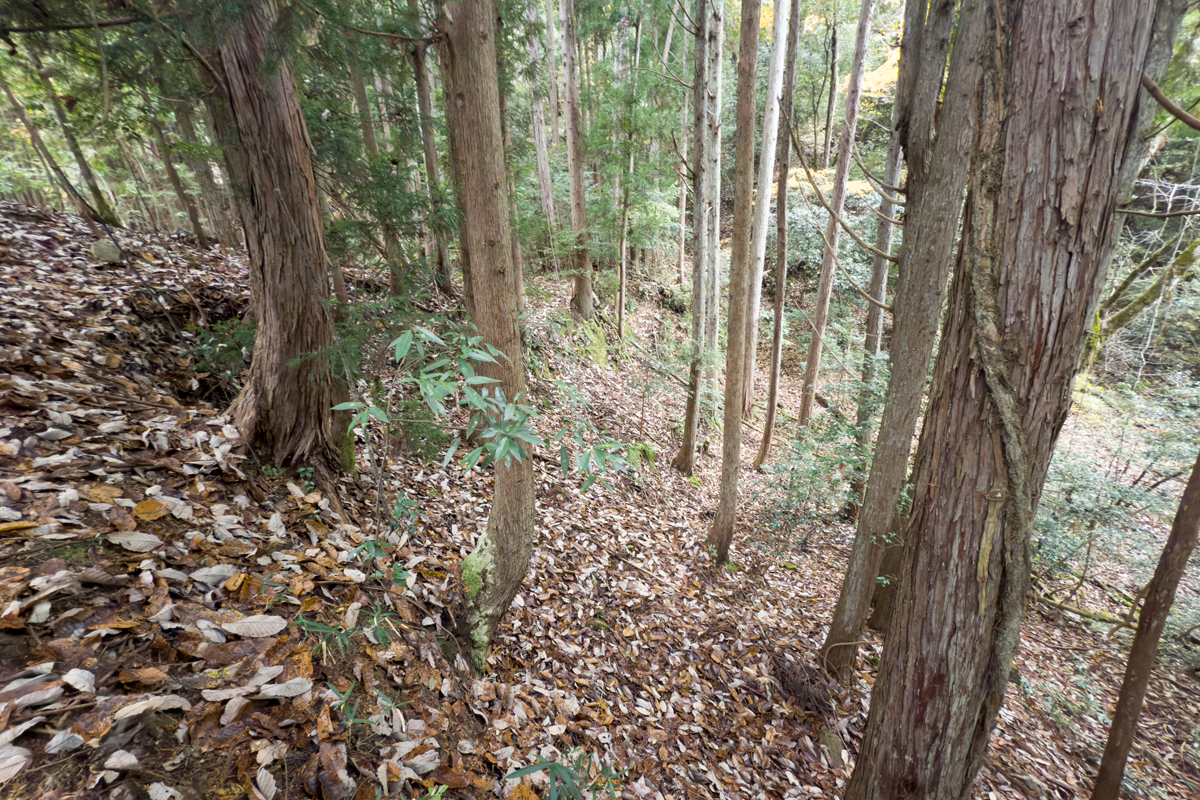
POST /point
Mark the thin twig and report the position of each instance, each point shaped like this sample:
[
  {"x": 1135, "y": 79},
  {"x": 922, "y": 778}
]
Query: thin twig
[
  {"x": 1158, "y": 214},
  {"x": 672, "y": 77},
  {"x": 871, "y": 175}
]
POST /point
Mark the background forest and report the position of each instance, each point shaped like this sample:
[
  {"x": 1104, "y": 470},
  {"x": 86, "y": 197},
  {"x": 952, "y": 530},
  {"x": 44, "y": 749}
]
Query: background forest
[{"x": 662, "y": 399}]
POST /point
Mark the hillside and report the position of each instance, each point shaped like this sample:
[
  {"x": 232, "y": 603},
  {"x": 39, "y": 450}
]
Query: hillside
[{"x": 181, "y": 620}]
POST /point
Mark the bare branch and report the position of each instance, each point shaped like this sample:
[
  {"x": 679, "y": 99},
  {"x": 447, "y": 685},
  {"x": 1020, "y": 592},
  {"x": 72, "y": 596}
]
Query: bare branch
[
  {"x": 690, "y": 25},
  {"x": 1159, "y": 214},
  {"x": 885, "y": 217},
  {"x": 1168, "y": 104},
  {"x": 834, "y": 214},
  {"x": 679, "y": 152},
  {"x": 672, "y": 77},
  {"x": 871, "y": 175}
]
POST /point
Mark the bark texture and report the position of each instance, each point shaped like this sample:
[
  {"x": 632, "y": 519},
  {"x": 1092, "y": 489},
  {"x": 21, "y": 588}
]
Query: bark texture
[
  {"x": 721, "y": 534},
  {"x": 937, "y": 174},
  {"x": 492, "y": 573},
  {"x": 1160, "y": 594},
  {"x": 284, "y": 411},
  {"x": 1059, "y": 102}
]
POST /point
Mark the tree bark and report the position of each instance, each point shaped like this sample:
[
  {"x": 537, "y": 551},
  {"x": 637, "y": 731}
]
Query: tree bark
[
  {"x": 873, "y": 344},
  {"x": 186, "y": 202},
  {"x": 284, "y": 411},
  {"x": 833, "y": 230},
  {"x": 782, "y": 157},
  {"x": 703, "y": 207},
  {"x": 683, "y": 139},
  {"x": 762, "y": 206},
  {"x": 443, "y": 270},
  {"x": 1160, "y": 595},
  {"x": 721, "y": 534},
  {"x": 1055, "y": 124},
  {"x": 101, "y": 204},
  {"x": 492, "y": 573},
  {"x": 581, "y": 262},
  {"x": 826, "y": 150}
]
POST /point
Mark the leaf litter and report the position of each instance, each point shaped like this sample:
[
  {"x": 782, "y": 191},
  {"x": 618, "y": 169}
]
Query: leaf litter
[{"x": 171, "y": 620}]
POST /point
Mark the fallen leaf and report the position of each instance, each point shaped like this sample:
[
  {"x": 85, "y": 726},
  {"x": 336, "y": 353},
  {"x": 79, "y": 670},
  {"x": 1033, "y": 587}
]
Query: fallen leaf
[
  {"x": 13, "y": 759},
  {"x": 152, "y": 509},
  {"x": 136, "y": 542},
  {"x": 256, "y": 627}
]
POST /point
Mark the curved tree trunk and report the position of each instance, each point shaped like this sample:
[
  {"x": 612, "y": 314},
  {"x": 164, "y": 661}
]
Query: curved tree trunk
[
  {"x": 284, "y": 411},
  {"x": 493, "y": 571},
  {"x": 721, "y": 534},
  {"x": 1056, "y": 124}
]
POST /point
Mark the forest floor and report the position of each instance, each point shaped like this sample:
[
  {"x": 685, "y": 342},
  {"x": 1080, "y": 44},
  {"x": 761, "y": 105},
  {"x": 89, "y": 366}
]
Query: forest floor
[{"x": 180, "y": 621}]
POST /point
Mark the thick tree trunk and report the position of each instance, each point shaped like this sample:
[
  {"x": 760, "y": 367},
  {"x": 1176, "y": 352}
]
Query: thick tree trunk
[
  {"x": 1056, "y": 122},
  {"x": 493, "y": 571},
  {"x": 833, "y": 230},
  {"x": 762, "y": 205},
  {"x": 827, "y": 149},
  {"x": 782, "y": 157},
  {"x": 443, "y": 270},
  {"x": 703, "y": 206},
  {"x": 186, "y": 203},
  {"x": 721, "y": 534},
  {"x": 284, "y": 411},
  {"x": 100, "y": 202},
  {"x": 873, "y": 344},
  {"x": 1160, "y": 595},
  {"x": 581, "y": 261}
]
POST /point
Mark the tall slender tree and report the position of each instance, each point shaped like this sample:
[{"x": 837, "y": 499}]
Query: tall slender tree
[
  {"x": 581, "y": 260},
  {"x": 721, "y": 534},
  {"x": 781, "y": 231},
  {"x": 762, "y": 205},
  {"x": 493, "y": 571},
  {"x": 937, "y": 173},
  {"x": 833, "y": 230}
]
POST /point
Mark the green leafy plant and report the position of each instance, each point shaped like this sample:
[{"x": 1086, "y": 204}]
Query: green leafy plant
[{"x": 583, "y": 772}]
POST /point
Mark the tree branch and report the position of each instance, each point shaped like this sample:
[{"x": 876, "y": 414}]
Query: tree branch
[
  {"x": 1138, "y": 272},
  {"x": 1169, "y": 104},
  {"x": 871, "y": 175},
  {"x": 885, "y": 217},
  {"x": 1191, "y": 212},
  {"x": 672, "y": 77},
  {"x": 72, "y": 26},
  {"x": 834, "y": 214}
]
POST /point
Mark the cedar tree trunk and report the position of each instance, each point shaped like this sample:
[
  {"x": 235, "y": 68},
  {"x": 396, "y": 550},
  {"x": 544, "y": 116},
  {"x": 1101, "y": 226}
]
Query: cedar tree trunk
[{"x": 1057, "y": 120}]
